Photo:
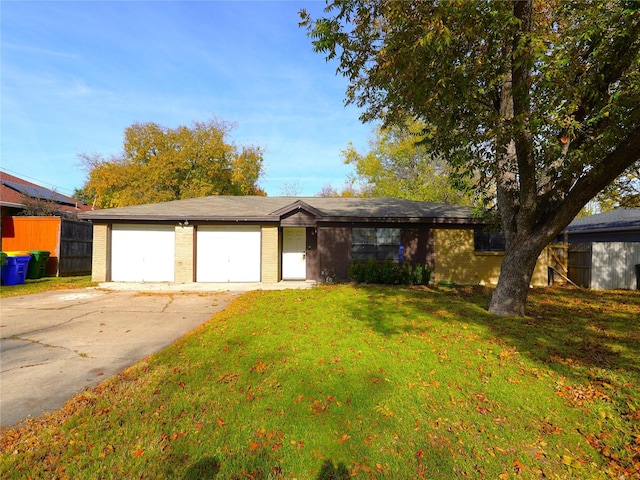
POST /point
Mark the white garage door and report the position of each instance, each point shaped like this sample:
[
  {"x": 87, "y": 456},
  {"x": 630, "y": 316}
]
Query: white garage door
[
  {"x": 142, "y": 253},
  {"x": 228, "y": 254}
]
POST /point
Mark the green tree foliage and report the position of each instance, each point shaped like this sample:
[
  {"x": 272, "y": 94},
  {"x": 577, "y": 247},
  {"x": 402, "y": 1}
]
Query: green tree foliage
[
  {"x": 624, "y": 192},
  {"x": 398, "y": 165},
  {"x": 160, "y": 164},
  {"x": 541, "y": 98}
]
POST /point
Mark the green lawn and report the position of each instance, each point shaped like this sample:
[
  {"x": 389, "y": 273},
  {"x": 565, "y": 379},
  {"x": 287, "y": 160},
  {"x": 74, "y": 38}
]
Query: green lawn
[
  {"x": 44, "y": 284},
  {"x": 364, "y": 382}
]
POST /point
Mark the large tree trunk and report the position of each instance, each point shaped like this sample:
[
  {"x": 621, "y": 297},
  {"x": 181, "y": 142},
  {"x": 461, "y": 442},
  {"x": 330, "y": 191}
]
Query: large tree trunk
[{"x": 510, "y": 296}]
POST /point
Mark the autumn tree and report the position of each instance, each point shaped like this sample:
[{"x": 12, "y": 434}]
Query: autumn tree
[
  {"x": 159, "y": 164},
  {"x": 347, "y": 191},
  {"x": 542, "y": 99},
  {"x": 398, "y": 165}
]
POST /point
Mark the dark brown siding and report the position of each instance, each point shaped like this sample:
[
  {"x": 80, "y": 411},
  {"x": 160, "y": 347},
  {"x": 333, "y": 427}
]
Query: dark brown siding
[
  {"x": 417, "y": 245},
  {"x": 334, "y": 250},
  {"x": 298, "y": 219},
  {"x": 313, "y": 264}
]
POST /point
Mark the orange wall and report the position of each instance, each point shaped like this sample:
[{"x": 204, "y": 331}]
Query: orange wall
[{"x": 33, "y": 233}]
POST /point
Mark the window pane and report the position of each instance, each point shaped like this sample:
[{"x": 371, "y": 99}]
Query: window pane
[
  {"x": 484, "y": 241},
  {"x": 388, "y": 236},
  {"x": 388, "y": 252},
  {"x": 364, "y": 235},
  {"x": 375, "y": 244}
]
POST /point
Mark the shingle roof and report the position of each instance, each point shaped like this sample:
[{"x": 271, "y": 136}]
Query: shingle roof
[
  {"x": 249, "y": 208},
  {"x": 13, "y": 189},
  {"x": 621, "y": 218}
]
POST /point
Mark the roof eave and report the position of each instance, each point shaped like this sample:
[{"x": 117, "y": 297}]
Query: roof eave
[
  {"x": 633, "y": 228},
  {"x": 173, "y": 218},
  {"x": 429, "y": 220}
]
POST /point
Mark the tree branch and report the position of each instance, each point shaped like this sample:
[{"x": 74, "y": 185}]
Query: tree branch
[{"x": 521, "y": 65}]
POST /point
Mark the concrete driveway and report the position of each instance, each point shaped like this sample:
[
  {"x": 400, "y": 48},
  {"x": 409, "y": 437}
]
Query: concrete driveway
[{"x": 54, "y": 344}]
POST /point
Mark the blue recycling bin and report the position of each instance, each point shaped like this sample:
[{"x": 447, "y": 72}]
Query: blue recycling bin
[{"x": 14, "y": 271}]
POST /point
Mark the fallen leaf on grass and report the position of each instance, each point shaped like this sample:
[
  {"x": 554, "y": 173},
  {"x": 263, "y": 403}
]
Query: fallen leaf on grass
[
  {"x": 259, "y": 367},
  {"x": 137, "y": 453},
  {"x": 254, "y": 446},
  {"x": 384, "y": 410}
]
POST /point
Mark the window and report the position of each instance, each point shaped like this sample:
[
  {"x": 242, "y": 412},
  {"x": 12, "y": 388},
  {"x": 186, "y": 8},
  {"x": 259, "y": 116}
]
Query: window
[
  {"x": 376, "y": 244},
  {"x": 486, "y": 241}
]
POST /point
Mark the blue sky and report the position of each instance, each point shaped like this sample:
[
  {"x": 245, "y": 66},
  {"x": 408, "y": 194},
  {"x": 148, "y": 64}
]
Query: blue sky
[{"x": 75, "y": 74}]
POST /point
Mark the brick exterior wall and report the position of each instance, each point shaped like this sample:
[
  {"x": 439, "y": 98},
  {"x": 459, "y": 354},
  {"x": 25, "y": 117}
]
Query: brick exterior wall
[
  {"x": 100, "y": 253},
  {"x": 184, "y": 266},
  {"x": 270, "y": 267},
  {"x": 456, "y": 261}
]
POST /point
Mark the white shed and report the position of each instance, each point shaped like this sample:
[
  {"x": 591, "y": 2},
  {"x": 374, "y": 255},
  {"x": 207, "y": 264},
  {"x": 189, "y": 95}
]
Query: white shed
[{"x": 604, "y": 250}]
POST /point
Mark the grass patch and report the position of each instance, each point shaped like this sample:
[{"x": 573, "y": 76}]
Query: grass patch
[
  {"x": 45, "y": 284},
  {"x": 364, "y": 382}
]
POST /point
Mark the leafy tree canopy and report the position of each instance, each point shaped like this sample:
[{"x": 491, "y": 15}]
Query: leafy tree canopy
[
  {"x": 160, "y": 164},
  {"x": 624, "y": 192},
  {"x": 399, "y": 165},
  {"x": 541, "y": 99}
]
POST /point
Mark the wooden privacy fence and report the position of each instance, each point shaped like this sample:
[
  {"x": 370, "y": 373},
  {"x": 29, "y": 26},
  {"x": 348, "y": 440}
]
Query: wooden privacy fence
[
  {"x": 68, "y": 241},
  {"x": 557, "y": 263},
  {"x": 580, "y": 264}
]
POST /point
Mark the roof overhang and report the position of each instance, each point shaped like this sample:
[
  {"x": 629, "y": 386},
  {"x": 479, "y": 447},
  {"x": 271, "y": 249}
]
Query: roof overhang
[
  {"x": 576, "y": 231},
  {"x": 11, "y": 204},
  {"x": 296, "y": 207},
  {"x": 175, "y": 218},
  {"x": 285, "y": 214}
]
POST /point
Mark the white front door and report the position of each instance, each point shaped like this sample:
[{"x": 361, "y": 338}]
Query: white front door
[{"x": 294, "y": 252}]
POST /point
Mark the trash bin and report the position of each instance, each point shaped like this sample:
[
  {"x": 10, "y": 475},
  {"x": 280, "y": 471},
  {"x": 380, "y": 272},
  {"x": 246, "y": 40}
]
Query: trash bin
[
  {"x": 37, "y": 263},
  {"x": 14, "y": 271},
  {"x": 638, "y": 276}
]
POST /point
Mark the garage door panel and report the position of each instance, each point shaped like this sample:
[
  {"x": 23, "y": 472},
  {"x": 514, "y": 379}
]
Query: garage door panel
[
  {"x": 228, "y": 254},
  {"x": 141, "y": 253}
]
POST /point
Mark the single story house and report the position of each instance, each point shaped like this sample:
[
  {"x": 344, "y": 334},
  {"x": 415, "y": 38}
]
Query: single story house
[
  {"x": 604, "y": 250},
  {"x": 271, "y": 239}
]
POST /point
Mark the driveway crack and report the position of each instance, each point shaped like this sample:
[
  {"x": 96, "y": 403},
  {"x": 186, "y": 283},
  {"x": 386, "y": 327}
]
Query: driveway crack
[
  {"x": 48, "y": 327},
  {"x": 37, "y": 342},
  {"x": 23, "y": 366},
  {"x": 169, "y": 302}
]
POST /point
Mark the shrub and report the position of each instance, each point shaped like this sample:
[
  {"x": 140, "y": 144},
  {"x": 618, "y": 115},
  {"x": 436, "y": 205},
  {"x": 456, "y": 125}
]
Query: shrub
[{"x": 389, "y": 273}]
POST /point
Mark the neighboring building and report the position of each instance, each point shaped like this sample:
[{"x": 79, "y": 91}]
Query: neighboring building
[
  {"x": 14, "y": 191},
  {"x": 269, "y": 239},
  {"x": 67, "y": 239},
  {"x": 604, "y": 250}
]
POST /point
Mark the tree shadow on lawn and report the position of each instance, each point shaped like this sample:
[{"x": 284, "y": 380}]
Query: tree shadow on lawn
[
  {"x": 564, "y": 327},
  {"x": 206, "y": 468}
]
